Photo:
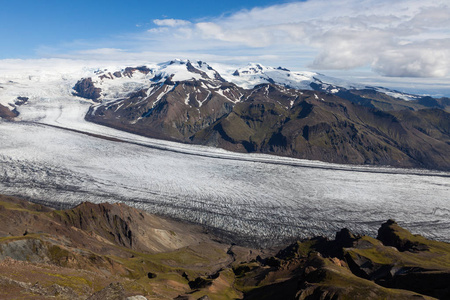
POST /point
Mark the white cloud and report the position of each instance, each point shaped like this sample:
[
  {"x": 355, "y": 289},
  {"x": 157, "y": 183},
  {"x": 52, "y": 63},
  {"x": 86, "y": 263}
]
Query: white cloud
[
  {"x": 395, "y": 38},
  {"x": 171, "y": 22},
  {"x": 158, "y": 30},
  {"x": 431, "y": 59}
]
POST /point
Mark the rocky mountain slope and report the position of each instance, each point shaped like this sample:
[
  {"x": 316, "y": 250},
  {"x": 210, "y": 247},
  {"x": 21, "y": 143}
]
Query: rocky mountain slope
[
  {"x": 324, "y": 127},
  {"x": 95, "y": 250},
  {"x": 112, "y": 251},
  {"x": 276, "y": 111}
]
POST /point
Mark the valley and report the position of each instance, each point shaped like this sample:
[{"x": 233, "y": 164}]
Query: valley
[
  {"x": 51, "y": 152},
  {"x": 261, "y": 199}
]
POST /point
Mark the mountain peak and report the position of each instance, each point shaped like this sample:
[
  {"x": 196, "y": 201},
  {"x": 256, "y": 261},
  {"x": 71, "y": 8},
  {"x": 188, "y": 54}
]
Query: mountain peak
[
  {"x": 176, "y": 61},
  {"x": 250, "y": 69},
  {"x": 184, "y": 70},
  {"x": 255, "y": 73}
]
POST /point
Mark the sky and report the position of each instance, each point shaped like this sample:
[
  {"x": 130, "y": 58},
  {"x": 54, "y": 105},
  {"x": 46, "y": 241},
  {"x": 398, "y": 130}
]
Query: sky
[{"x": 402, "y": 43}]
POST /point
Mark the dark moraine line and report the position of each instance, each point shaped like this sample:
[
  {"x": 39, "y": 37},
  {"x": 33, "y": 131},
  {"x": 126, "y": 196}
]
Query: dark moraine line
[{"x": 347, "y": 168}]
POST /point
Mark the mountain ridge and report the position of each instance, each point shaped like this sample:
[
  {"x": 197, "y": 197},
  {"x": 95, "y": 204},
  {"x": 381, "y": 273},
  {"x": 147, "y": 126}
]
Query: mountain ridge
[
  {"x": 246, "y": 77},
  {"x": 193, "y": 107}
]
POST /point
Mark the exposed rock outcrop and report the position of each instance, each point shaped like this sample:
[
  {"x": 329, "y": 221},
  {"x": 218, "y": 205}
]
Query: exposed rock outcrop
[
  {"x": 85, "y": 88},
  {"x": 8, "y": 114},
  {"x": 390, "y": 234},
  {"x": 21, "y": 101}
]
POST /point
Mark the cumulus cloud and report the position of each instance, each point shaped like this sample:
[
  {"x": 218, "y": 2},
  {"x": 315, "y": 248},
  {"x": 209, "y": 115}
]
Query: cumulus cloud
[
  {"x": 416, "y": 59},
  {"x": 402, "y": 38},
  {"x": 394, "y": 38}
]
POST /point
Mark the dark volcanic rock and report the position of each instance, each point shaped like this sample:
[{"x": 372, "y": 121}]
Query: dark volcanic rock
[
  {"x": 129, "y": 71},
  {"x": 345, "y": 238},
  {"x": 21, "y": 100},
  {"x": 85, "y": 88},
  {"x": 432, "y": 283},
  {"x": 7, "y": 114},
  {"x": 200, "y": 282}
]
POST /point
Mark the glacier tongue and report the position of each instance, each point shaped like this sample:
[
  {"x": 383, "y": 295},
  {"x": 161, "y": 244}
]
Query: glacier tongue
[{"x": 255, "y": 197}]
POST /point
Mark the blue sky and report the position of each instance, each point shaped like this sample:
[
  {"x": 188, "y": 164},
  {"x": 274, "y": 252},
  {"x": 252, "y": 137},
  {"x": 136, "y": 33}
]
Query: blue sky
[
  {"x": 28, "y": 26},
  {"x": 400, "y": 44}
]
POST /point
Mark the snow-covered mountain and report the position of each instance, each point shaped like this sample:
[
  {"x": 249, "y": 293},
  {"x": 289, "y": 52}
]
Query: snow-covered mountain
[
  {"x": 114, "y": 82},
  {"x": 118, "y": 83}
]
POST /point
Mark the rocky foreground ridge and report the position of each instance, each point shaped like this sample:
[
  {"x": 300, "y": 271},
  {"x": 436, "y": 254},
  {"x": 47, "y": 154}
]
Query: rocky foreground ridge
[
  {"x": 112, "y": 251},
  {"x": 274, "y": 111}
]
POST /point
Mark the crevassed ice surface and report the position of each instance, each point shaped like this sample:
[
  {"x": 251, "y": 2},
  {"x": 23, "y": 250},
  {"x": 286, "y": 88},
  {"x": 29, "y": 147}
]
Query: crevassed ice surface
[{"x": 250, "y": 196}]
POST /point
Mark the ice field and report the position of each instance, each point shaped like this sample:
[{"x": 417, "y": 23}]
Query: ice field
[{"x": 250, "y": 196}]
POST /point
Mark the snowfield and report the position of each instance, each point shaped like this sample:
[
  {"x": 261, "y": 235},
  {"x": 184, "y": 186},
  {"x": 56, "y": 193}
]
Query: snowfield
[{"x": 51, "y": 155}]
